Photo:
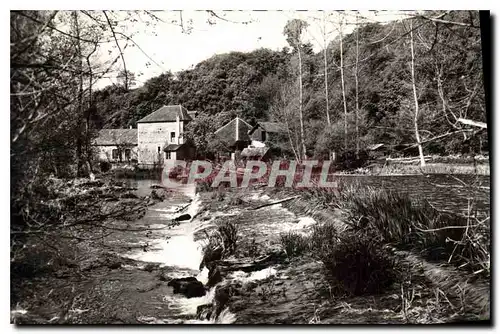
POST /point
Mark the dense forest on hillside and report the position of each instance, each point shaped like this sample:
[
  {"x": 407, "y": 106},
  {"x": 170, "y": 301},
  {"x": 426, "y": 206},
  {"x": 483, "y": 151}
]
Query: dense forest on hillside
[{"x": 375, "y": 66}]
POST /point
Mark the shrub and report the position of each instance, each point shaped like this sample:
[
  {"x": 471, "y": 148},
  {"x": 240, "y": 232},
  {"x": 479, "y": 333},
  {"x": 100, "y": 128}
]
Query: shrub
[
  {"x": 358, "y": 264},
  {"x": 323, "y": 237},
  {"x": 105, "y": 166},
  {"x": 204, "y": 186},
  {"x": 294, "y": 243},
  {"x": 220, "y": 243},
  {"x": 218, "y": 196}
]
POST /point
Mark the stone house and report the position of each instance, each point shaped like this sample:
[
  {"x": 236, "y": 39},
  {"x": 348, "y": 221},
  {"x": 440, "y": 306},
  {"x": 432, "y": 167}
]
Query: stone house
[
  {"x": 161, "y": 136},
  {"x": 116, "y": 145}
]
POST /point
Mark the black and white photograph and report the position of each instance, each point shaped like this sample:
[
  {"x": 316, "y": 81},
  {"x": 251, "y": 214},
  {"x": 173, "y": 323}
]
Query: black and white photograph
[{"x": 256, "y": 167}]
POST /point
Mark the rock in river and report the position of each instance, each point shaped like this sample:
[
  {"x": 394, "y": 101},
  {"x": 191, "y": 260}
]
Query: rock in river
[
  {"x": 188, "y": 286},
  {"x": 185, "y": 216},
  {"x": 204, "y": 312}
]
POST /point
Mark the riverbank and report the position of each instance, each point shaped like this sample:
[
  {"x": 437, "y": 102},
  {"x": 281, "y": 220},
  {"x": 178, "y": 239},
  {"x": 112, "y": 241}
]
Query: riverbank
[
  {"x": 452, "y": 165},
  {"x": 431, "y": 168}
]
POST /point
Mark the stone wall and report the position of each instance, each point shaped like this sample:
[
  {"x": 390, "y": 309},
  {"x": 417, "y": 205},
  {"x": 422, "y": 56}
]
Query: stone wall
[{"x": 152, "y": 137}]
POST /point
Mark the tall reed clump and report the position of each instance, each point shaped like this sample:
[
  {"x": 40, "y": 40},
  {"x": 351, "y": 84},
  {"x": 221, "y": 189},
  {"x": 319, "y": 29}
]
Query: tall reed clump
[
  {"x": 220, "y": 243},
  {"x": 358, "y": 264},
  {"x": 354, "y": 262},
  {"x": 294, "y": 244},
  {"x": 325, "y": 196},
  {"x": 416, "y": 225}
]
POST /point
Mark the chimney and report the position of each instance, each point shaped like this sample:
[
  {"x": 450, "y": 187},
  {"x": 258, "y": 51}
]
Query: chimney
[
  {"x": 177, "y": 120},
  {"x": 237, "y": 126}
]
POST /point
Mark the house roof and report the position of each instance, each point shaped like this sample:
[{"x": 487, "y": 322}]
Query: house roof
[
  {"x": 167, "y": 114},
  {"x": 116, "y": 137},
  {"x": 235, "y": 130},
  {"x": 172, "y": 147},
  {"x": 272, "y": 127},
  {"x": 254, "y": 152}
]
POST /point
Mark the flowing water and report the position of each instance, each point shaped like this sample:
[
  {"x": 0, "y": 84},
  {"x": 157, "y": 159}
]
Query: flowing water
[{"x": 175, "y": 247}]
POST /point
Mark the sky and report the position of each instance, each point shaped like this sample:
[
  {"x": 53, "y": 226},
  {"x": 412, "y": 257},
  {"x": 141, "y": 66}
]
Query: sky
[{"x": 164, "y": 46}]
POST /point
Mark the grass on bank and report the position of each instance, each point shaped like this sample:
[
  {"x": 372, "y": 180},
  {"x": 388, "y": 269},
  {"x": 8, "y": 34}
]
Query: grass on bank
[
  {"x": 413, "y": 224},
  {"x": 353, "y": 262},
  {"x": 432, "y": 168}
]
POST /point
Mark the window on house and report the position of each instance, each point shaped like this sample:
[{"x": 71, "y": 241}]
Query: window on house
[
  {"x": 168, "y": 155},
  {"x": 115, "y": 154},
  {"x": 263, "y": 135},
  {"x": 127, "y": 154},
  {"x": 172, "y": 136}
]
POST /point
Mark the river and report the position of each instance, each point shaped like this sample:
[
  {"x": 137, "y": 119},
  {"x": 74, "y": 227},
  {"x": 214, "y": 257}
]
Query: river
[{"x": 446, "y": 192}]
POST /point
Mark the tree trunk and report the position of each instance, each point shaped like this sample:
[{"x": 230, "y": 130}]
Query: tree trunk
[
  {"x": 302, "y": 136},
  {"x": 415, "y": 120},
  {"x": 343, "y": 86},
  {"x": 80, "y": 145},
  {"x": 290, "y": 139},
  {"x": 357, "y": 87},
  {"x": 325, "y": 59},
  {"x": 326, "y": 70},
  {"x": 90, "y": 107}
]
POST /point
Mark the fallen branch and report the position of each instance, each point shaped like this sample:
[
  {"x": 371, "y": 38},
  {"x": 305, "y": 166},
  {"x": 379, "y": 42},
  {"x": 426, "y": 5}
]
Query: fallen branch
[
  {"x": 473, "y": 123},
  {"x": 445, "y": 228},
  {"x": 266, "y": 261},
  {"x": 277, "y": 202},
  {"x": 182, "y": 208},
  {"x": 408, "y": 160}
]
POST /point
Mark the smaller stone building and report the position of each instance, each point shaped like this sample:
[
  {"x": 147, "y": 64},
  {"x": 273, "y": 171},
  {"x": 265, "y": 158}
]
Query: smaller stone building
[
  {"x": 272, "y": 135},
  {"x": 116, "y": 145}
]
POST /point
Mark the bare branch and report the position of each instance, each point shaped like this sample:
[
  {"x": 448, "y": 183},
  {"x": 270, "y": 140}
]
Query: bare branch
[
  {"x": 473, "y": 123},
  {"x": 119, "y": 49}
]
